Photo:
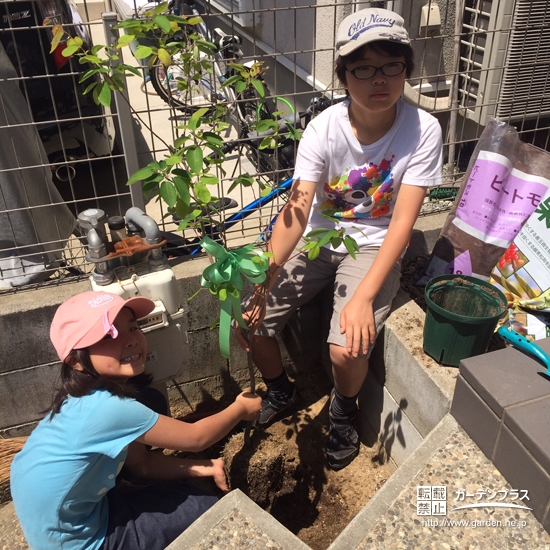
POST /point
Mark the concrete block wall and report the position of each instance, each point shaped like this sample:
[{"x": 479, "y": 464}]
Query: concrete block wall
[{"x": 29, "y": 366}]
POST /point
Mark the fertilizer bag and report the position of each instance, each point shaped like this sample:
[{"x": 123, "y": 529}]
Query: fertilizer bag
[{"x": 505, "y": 182}]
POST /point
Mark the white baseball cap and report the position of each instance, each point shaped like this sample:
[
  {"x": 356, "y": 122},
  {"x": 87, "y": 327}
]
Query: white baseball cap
[{"x": 370, "y": 25}]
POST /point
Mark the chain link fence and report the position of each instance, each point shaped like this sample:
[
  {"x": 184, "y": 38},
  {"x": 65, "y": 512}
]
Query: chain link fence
[{"x": 61, "y": 154}]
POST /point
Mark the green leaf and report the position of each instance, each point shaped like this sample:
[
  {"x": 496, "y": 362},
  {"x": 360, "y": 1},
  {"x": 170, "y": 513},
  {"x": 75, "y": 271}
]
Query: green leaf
[
  {"x": 143, "y": 52},
  {"x": 259, "y": 87},
  {"x": 316, "y": 233},
  {"x": 90, "y": 87},
  {"x": 265, "y": 125},
  {"x": 104, "y": 94},
  {"x": 209, "y": 179},
  {"x": 129, "y": 68},
  {"x": 161, "y": 8},
  {"x": 240, "y": 86},
  {"x": 91, "y": 59},
  {"x": 314, "y": 252},
  {"x": 163, "y": 22},
  {"x": 336, "y": 242},
  {"x": 351, "y": 246},
  {"x": 57, "y": 36},
  {"x": 293, "y": 132},
  {"x": 87, "y": 74},
  {"x": 202, "y": 193},
  {"x": 173, "y": 160},
  {"x": 231, "y": 80},
  {"x": 168, "y": 193},
  {"x": 149, "y": 187},
  {"x": 182, "y": 173},
  {"x": 181, "y": 140},
  {"x": 212, "y": 138},
  {"x": 69, "y": 51},
  {"x": 141, "y": 174},
  {"x": 182, "y": 209},
  {"x": 194, "y": 20},
  {"x": 125, "y": 39},
  {"x": 205, "y": 46},
  {"x": 194, "y": 159},
  {"x": 182, "y": 188},
  {"x": 325, "y": 239},
  {"x": 165, "y": 57}
]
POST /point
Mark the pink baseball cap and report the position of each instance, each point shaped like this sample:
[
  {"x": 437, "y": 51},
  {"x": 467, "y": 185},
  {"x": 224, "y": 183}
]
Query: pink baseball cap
[{"x": 87, "y": 318}]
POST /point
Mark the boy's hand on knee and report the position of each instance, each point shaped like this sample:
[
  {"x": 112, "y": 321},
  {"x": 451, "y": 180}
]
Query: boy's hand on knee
[
  {"x": 250, "y": 405},
  {"x": 357, "y": 323}
]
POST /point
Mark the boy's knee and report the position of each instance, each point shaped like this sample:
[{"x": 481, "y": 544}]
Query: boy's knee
[{"x": 341, "y": 359}]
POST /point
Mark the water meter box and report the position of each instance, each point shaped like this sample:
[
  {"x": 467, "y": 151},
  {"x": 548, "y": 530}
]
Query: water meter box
[
  {"x": 168, "y": 347},
  {"x": 141, "y": 280}
]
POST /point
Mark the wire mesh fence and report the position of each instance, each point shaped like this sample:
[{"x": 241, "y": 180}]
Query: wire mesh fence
[{"x": 61, "y": 154}]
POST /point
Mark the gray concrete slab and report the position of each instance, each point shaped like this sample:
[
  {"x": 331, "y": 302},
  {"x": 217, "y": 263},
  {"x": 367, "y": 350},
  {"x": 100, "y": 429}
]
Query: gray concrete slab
[
  {"x": 236, "y": 522},
  {"x": 467, "y": 476}
]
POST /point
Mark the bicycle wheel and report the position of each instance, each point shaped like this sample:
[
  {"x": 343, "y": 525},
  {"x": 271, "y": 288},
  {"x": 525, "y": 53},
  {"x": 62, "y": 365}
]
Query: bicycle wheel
[{"x": 186, "y": 93}]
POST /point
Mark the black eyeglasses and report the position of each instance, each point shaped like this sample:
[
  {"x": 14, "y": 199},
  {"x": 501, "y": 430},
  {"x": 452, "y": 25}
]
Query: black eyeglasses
[{"x": 368, "y": 71}]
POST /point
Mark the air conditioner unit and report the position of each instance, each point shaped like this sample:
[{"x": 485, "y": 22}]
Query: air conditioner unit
[{"x": 505, "y": 60}]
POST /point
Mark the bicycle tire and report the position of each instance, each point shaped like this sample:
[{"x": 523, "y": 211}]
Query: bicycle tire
[{"x": 203, "y": 93}]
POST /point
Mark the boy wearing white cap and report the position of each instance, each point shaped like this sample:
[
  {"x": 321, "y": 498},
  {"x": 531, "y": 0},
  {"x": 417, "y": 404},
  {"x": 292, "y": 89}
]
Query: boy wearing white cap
[{"x": 366, "y": 163}]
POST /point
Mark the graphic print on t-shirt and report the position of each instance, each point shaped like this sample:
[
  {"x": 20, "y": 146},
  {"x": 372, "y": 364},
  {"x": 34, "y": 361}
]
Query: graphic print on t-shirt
[{"x": 360, "y": 193}]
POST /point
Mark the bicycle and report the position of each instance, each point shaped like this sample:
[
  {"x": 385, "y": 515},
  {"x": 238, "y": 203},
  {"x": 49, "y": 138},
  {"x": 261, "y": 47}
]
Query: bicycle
[{"x": 246, "y": 107}]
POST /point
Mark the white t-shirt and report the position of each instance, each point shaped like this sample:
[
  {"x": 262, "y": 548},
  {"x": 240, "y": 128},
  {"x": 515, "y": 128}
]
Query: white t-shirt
[{"x": 358, "y": 184}]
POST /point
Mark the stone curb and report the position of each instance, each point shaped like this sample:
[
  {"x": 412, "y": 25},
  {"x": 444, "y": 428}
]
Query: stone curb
[{"x": 236, "y": 502}]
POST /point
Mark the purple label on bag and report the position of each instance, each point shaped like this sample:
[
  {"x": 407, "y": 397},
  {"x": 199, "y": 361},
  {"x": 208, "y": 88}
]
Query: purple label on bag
[
  {"x": 461, "y": 265},
  {"x": 498, "y": 199}
]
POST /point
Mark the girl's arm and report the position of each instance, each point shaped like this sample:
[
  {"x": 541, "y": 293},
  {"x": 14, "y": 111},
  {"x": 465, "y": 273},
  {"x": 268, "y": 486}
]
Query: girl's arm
[
  {"x": 169, "y": 433},
  {"x": 357, "y": 318},
  {"x": 157, "y": 466}
]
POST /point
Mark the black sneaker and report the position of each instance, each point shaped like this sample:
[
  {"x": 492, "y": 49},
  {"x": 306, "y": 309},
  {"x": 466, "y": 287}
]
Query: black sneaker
[
  {"x": 342, "y": 445},
  {"x": 272, "y": 406},
  {"x": 343, "y": 441}
]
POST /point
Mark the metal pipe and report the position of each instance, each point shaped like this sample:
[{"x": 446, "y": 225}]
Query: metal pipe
[{"x": 138, "y": 217}]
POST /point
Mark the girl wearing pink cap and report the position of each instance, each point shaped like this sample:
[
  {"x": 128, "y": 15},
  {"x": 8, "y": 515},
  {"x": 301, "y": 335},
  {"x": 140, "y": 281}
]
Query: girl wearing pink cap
[{"x": 65, "y": 482}]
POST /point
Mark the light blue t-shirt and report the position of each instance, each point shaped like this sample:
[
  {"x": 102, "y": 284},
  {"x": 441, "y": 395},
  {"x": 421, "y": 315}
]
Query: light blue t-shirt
[{"x": 59, "y": 480}]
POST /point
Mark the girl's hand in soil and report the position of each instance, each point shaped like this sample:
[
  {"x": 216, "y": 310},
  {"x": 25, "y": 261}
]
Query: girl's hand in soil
[
  {"x": 250, "y": 404},
  {"x": 357, "y": 323},
  {"x": 219, "y": 476}
]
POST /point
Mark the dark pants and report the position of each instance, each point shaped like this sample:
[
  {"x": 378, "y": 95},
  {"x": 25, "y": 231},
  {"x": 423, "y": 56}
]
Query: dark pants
[{"x": 151, "y": 517}]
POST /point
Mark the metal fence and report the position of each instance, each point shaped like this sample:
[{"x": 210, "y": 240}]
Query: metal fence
[{"x": 61, "y": 154}]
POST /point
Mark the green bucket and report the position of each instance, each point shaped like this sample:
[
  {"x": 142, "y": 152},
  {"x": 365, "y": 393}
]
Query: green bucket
[{"x": 461, "y": 316}]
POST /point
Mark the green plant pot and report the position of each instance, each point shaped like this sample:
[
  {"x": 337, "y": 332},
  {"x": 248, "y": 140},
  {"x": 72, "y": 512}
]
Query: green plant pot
[{"x": 461, "y": 316}]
